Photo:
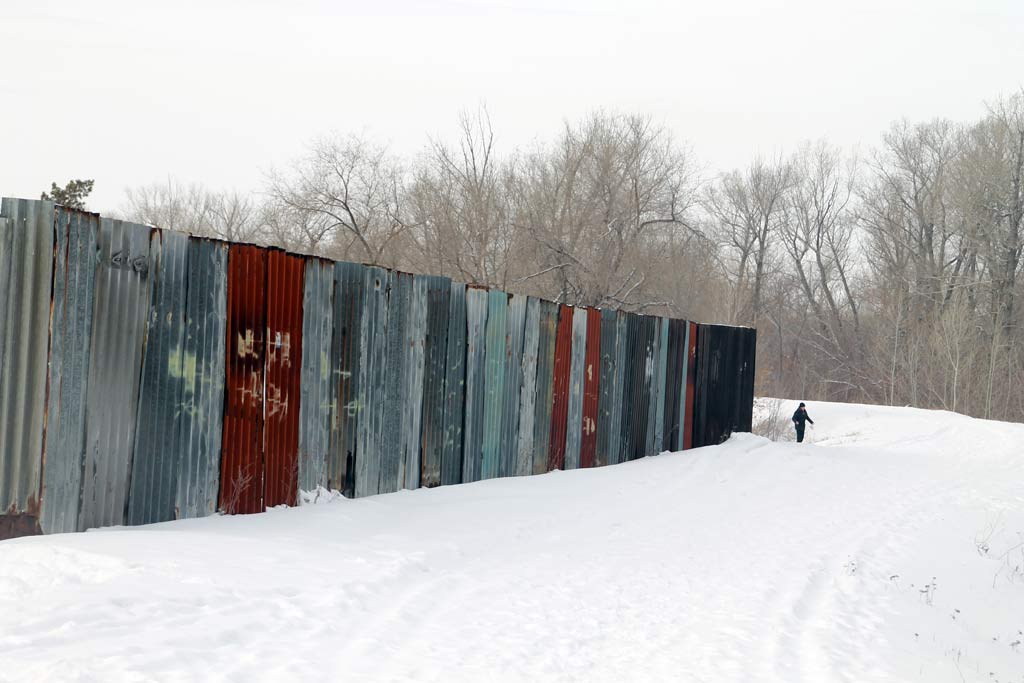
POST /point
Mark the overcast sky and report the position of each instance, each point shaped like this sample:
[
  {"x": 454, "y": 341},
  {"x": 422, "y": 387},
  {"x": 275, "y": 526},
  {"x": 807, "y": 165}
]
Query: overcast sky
[{"x": 217, "y": 91}]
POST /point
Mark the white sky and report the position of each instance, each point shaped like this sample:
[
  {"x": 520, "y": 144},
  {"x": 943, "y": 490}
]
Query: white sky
[{"x": 130, "y": 92}]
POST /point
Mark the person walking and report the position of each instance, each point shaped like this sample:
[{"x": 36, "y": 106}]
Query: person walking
[{"x": 799, "y": 418}]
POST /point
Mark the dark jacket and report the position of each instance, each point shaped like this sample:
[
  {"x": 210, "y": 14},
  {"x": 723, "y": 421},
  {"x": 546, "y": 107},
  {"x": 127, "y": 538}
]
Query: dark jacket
[{"x": 800, "y": 416}]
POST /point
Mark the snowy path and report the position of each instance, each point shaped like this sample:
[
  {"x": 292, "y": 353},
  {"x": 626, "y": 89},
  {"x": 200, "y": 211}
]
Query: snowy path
[{"x": 752, "y": 561}]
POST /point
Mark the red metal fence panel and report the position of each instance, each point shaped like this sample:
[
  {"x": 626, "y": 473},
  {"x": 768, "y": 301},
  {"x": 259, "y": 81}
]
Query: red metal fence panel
[
  {"x": 242, "y": 468},
  {"x": 591, "y": 388},
  {"x": 560, "y": 391},
  {"x": 285, "y": 276}
]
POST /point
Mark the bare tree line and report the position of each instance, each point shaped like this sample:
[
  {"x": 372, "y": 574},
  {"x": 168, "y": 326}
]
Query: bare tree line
[{"x": 886, "y": 277}]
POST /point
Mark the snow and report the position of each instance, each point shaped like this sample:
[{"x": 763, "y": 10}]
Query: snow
[{"x": 887, "y": 548}]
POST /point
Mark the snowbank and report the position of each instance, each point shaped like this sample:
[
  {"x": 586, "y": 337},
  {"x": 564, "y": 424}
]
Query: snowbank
[{"x": 887, "y": 548}]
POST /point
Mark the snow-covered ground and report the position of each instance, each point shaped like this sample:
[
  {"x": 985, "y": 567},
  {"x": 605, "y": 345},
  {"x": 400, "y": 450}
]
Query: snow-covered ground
[{"x": 888, "y": 548}]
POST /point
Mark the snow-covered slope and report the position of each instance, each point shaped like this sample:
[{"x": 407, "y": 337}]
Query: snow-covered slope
[{"x": 888, "y": 548}]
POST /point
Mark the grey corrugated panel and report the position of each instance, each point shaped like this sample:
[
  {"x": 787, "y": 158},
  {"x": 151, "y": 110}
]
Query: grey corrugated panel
[
  {"x": 202, "y": 403},
  {"x": 372, "y": 374},
  {"x": 607, "y": 389},
  {"x": 574, "y": 422},
  {"x": 156, "y": 460},
  {"x": 435, "y": 356},
  {"x": 660, "y": 378},
  {"x": 632, "y": 361},
  {"x": 317, "y": 395},
  {"x": 454, "y": 387},
  {"x": 346, "y": 362},
  {"x": 514, "y": 333},
  {"x": 651, "y": 339},
  {"x": 70, "y": 336},
  {"x": 545, "y": 385},
  {"x": 26, "y": 272},
  {"x": 615, "y": 439},
  {"x": 494, "y": 391},
  {"x": 399, "y": 303},
  {"x": 476, "y": 324},
  {"x": 412, "y": 385},
  {"x": 704, "y": 377},
  {"x": 119, "y": 320},
  {"x": 528, "y": 391}
]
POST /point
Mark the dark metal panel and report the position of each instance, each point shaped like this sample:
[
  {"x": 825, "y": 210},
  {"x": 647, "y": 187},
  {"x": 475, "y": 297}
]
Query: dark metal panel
[
  {"x": 494, "y": 382},
  {"x": 156, "y": 460},
  {"x": 545, "y": 385},
  {"x": 690, "y": 382},
  {"x": 674, "y": 384},
  {"x": 528, "y": 391},
  {"x": 660, "y": 380},
  {"x": 399, "y": 303},
  {"x": 574, "y": 420},
  {"x": 476, "y": 324},
  {"x": 454, "y": 387},
  {"x": 346, "y": 355},
  {"x": 560, "y": 388},
  {"x": 120, "y": 310},
  {"x": 616, "y": 430},
  {"x": 26, "y": 272},
  {"x": 514, "y": 334},
  {"x": 591, "y": 389},
  {"x": 435, "y": 355},
  {"x": 412, "y": 386},
  {"x": 317, "y": 395},
  {"x": 632, "y": 360},
  {"x": 606, "y": 385},
  {"x": 202, "y": 406},
  {"x": 651, "y": 339},
  {"x": 283, "y": 401},
  {"x": 70, "y": 342},
  {"x": 746, "y": 375},
  {"x": 372, "y": 373},
  {"x": 242, "y": 466}
]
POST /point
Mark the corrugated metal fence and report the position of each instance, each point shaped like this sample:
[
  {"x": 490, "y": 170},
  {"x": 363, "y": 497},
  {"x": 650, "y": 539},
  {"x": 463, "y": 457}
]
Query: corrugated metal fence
[{"x": 149, "y": 376}]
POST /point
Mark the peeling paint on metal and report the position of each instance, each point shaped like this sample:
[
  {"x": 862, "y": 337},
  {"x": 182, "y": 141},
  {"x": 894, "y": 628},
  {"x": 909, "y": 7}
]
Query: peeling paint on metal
[
  {"x": 202, "y": 403},
  {"x": 156, "y": 461},
  {"x": 399, "y": 302},
  {"x": 528, "y": 391},
  {"x": 121, "y": 307},
  {"x": 434, "y": 357},
  {"x": 411, "y": 410},
  {"x": 574, "y": 420},
  {"x": 604, "y": 448},
  {"x": 26, "y": 274},
  {"x": 560, "y": 388},
  {"x": 591, "y": 389},
  {"x": 372, "y": 375},
  {"x": 545, "y": 385},
  {"x": 346, "y": 355},
  {"x": 514, "y": 334},
  {"x": 70, "y": 343},
  {"x": 617, "y": 452}
]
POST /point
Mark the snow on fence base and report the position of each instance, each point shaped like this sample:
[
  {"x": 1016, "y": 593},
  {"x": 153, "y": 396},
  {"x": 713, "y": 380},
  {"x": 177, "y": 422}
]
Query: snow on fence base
[{"x": 150, "y": 376}]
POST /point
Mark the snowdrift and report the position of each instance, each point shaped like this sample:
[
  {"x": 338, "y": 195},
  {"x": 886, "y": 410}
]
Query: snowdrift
[{"x": 890, "y": 547}]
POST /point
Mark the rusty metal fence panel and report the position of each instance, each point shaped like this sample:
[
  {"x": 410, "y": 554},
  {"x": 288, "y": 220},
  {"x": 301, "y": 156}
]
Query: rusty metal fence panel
[
  {"x": 119, "y": 321},
  {"x": 317, "y": 396},
  {"x": 528, "y": 391},
  {"x": 412, "y": 386},
  {"x": 70, "y": 344},
  {"x": 372, "y": 374},
  {"x": 494, "y": 382},
  {"x": 156, "y": 461},
  {"x": 455, "y": 389},
  {"x": 399, "y": 303},
  {"x": 346, "y": 355},
  {"x": 202, "y": 403},
  {"x": 560, "y": 388},
  {"x": 603, "y": 449},
  {"x": 26, "y": 269},
  {"x": 574, "y": 421},
  {"x": 476, "y": 324},
  {"x": 435, "y": 354},
  {"x": 545, "y": 385},
  {"x": 242, "y": 467},
  {"x": 514, "y": 333},
  {"x": 591, "y": 389}
]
